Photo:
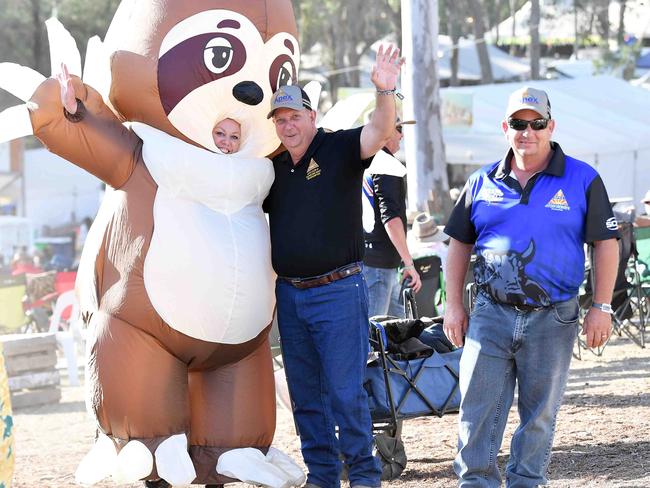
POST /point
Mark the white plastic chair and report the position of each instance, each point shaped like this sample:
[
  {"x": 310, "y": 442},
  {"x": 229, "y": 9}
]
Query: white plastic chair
[{"x": 66, "y": 338}]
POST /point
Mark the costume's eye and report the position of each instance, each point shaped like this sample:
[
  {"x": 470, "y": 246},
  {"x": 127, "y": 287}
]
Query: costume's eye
[
  {"x": 218, "y": 54},
  {"x": 282, "y": 72}
]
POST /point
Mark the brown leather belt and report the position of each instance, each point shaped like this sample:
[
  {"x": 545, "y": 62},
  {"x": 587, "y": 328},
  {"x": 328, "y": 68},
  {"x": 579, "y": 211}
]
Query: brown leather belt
[{"x": 312, "y": 281}]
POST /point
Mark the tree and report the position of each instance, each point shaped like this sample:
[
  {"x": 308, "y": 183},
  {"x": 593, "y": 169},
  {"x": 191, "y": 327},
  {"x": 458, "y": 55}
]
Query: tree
[
  {"x": 478, "y": 16},
  {"x": 534, "y": 39},
  {"x": 424, "y": 147},
  {"x": 620, "y": 34},
  {"x": 24, "y": 39},
  {"x": 345, "y": 30}
]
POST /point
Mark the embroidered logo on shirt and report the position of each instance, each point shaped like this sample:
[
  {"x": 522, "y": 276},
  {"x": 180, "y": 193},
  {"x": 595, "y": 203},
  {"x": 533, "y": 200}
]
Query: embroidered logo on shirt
[
  {"x": 558, "y": 202},
  {"x": 491, "y": 195},
  {"x": 313, "y": 170},
  {"x": 611, "y": 223}
]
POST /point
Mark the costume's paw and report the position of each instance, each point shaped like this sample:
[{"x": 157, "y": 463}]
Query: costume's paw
[
  {"x": 275, "y": 470},
  {"x": 99, "y": 463},
  {"x": 173, "y": 462},
  {"x": 134, "y": 462}
]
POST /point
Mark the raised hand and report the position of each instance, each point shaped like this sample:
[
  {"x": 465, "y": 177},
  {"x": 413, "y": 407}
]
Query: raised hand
[
  {"x": 387, "y": 68},
  {"x": 68, "y": 98}
]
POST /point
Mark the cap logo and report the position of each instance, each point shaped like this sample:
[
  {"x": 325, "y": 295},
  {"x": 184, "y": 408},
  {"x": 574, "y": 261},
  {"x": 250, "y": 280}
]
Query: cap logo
[
  {"x": 283, "y": 98},
  {"x": 529, "y": 99}
]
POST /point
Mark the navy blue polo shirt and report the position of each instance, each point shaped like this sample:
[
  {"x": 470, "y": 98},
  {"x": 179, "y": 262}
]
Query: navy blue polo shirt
[
  {"x": 529, "y": 241},
  {"x": 314, "y": 207}
]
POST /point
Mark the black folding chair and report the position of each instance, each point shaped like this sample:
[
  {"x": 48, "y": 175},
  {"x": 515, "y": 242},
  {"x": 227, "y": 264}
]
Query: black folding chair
[
  {"x": 428, "y": 299},
  {"x": 628, "y": 301}
]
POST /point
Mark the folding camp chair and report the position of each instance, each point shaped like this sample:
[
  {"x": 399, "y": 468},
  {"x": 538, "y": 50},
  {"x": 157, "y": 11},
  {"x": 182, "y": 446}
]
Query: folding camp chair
[
  {"x": 431, "y": 297},
  {"x": 628, "y": 301}
]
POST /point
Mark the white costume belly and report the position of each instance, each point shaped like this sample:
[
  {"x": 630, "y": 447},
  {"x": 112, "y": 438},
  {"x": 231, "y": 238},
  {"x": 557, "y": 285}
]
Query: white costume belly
[{"x": 208, "y": 269}]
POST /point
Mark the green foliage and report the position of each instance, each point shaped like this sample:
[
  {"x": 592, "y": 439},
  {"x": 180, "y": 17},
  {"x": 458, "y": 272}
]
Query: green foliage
[
  {"x": 345, "y": 30},
  {"x": 22, "y": 27},
  {"x": 624, "y": 59}
]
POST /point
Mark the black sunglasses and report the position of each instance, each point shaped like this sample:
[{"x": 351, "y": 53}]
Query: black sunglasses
[{"x": 521, "y": 124}]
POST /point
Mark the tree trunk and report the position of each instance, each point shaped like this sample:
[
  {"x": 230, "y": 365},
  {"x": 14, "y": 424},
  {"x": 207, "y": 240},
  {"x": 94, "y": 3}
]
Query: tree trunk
[
  {"x": 513, "y": 11},
  {"x": 534, "y": 40},
  {"x": 37, "y": 51},
  {"x": 478, "y": 14},
  {"x": 424, "y": 148},
  {"x": 602, "y": 16},
  {"x": 620, "y": 35},
  {"x": 454, "y": 34}
]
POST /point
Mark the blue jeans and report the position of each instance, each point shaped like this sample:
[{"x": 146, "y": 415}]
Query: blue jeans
[
  {"x": 383, "y": 292},
  {"x": 324, "y": 337},
  {"x": 504, "y": 347}
]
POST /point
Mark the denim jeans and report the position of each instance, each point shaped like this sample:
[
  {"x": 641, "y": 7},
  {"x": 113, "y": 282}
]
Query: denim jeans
[
  {"x": 324, "y": 337},
  {"x": 383, "y": 292},
  {"x": 504, "y": 347}
]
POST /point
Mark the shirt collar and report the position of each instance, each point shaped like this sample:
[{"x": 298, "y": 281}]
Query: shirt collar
[
  {"x": 555, "y": 166},
  {"x": 318, "y": 139}
]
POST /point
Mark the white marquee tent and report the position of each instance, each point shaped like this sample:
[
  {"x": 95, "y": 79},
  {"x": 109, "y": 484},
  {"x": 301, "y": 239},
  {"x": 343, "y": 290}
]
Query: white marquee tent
[{"x": 602, "y": 120}]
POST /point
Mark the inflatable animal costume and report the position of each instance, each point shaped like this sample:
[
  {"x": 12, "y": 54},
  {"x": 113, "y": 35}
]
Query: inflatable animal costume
[{"x": 175, "y": 279}]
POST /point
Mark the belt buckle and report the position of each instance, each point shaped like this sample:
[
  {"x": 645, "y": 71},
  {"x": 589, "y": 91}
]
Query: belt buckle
[{"x": 528, "y": 308}]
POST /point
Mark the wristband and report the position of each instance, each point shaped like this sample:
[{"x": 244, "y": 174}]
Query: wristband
[
  {"x": 410, "y": 266},
  {"x": 391, "y": 92}
]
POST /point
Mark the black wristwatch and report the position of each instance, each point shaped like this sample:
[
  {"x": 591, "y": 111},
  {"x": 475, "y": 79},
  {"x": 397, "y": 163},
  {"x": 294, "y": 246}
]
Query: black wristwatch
[{"x": 603, "y": 307}]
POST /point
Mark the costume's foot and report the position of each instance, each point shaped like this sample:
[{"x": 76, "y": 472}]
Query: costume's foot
[{"x": 157, "y": 484}]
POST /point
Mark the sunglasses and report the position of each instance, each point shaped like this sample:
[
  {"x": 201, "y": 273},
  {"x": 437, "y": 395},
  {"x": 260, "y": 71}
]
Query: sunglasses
[{"x": 521, "y": 124}]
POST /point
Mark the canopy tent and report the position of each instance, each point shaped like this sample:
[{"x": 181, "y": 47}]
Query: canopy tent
[
  {"x": 504, "y": 66},
  {"x": 601, "y": 120},
  {"x": 557, "y": 20}
]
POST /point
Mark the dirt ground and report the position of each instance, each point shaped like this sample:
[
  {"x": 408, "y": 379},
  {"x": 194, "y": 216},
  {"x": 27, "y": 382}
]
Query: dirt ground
[{"x": 602, "y": 440}]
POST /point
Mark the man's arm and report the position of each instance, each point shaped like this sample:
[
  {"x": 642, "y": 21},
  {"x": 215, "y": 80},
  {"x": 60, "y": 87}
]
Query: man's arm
[
  {"x": 455, "y": 321},
  {"x": 384, "y": 76},
  {"x": 597, "y": 325},
  {"x": 395, "y": 230}
]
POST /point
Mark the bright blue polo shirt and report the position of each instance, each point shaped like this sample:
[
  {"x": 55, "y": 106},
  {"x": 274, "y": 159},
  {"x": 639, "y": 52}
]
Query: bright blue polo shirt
[{"x": 529, "y": 242}]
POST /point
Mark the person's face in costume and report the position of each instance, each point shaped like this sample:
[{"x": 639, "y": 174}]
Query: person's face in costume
[
  {"x": 295, "y": 128},
  {"x": 227, "y": 136}
]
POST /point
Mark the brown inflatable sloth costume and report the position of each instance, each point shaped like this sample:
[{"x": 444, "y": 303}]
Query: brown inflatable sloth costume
[{"x": 175, "y": 279}]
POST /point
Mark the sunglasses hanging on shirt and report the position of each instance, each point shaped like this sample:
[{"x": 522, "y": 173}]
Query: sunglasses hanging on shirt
[{"x": 521, "y": 124}]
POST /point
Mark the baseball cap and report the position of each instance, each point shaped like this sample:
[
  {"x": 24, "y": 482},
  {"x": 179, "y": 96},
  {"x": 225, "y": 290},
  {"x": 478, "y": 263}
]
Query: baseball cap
[
  {"x": 531, "y": 99},
  {"x": 289, "y": 96}
]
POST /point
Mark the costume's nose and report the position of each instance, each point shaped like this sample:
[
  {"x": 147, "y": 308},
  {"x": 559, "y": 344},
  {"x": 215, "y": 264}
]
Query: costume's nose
[{"x": 248, "y": 92}]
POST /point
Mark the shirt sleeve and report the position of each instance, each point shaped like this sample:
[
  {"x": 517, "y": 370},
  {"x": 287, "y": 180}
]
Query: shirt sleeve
[
  {"x": 387, "y": 192},
  {"x": 460, "y": 225},
  {"x": 600, "y": 223},
  {"x": 352, "y": 141}
]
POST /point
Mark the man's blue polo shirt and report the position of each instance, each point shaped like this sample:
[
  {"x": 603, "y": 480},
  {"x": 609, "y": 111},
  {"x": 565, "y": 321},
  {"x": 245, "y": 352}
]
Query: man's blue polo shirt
[{"x": 530, "y": 242}]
